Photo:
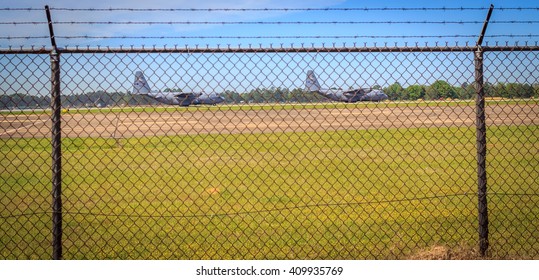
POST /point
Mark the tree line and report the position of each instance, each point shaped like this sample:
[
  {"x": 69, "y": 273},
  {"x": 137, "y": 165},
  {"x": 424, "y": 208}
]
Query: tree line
[
  {"x": 443, "y": 90},
  {"x": 436, "y": 91},
  {"x": 83, "y": 100}
]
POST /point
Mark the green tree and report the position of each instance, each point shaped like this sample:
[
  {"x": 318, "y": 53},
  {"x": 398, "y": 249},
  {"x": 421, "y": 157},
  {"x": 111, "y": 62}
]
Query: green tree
[
  {"x": 516, "y": 90},
  {"x": 440, "y": 90},
  {"x": 466, "y": 91},
  {"x": 394, "y": 91},
  {"x": 415, "y": 92},
  {"x": 499, "y": 90},
  {"x": 297, "y": 95},
  {"x": 232, "y": 96},
  {"x": 488, "y": 89}
]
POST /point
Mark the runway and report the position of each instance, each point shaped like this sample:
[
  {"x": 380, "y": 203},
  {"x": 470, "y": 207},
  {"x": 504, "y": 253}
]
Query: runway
[{"x": 223, "y": 120}]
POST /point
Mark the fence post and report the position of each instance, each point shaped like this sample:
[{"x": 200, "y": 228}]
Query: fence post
[
  {"x": 56, "y": 157},
  {"x": 481, "y": 132},
  {"x": 56, "y": 107}
]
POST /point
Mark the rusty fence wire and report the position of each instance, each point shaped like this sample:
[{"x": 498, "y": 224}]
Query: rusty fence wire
[{"x": 274, "y": 171}]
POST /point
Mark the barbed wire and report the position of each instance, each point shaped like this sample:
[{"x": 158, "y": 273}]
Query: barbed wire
[
  {"x": 272, "y": 9},
  {"x": 294, "y": 37},
  {"x": 262, "y": 22},
  {"x": 266, "y": 9},
  {"x": 23, "y": 37},
  {"x": 285, "y": 37},
  {"x": 239, "y": 37},
  {"x": 23, "y": 22}
]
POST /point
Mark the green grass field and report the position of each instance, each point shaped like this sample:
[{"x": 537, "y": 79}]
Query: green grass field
[{"x": 383, "y": 194}]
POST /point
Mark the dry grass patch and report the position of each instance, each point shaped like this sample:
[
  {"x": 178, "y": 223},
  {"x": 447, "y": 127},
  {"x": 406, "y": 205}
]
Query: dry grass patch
[{"x": 441, "y": 252}]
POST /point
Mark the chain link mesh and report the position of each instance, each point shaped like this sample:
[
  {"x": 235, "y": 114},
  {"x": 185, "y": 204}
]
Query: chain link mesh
[
  {"x": 25, "y": 220},
  {"x": 513, "y": 154},
  {"x": 274, "y": 172}
]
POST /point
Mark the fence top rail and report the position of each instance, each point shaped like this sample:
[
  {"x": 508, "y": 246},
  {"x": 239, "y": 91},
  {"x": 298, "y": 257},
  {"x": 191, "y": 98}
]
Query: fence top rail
[
  {"x": 253, "y": 49},
  {"x": 26, "y": 50}
]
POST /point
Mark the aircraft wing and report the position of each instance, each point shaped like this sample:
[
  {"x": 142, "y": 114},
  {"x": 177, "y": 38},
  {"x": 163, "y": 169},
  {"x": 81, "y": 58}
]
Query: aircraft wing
[
  {"x": 188, "y": 94},
  {"x": 367, "y": 90},
  {"x": 354, "y": 92},
  {"x": 182, "y": 95}
]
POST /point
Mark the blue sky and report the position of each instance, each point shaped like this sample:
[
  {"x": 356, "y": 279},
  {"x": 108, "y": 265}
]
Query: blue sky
[{"x": 280, "y": 30}]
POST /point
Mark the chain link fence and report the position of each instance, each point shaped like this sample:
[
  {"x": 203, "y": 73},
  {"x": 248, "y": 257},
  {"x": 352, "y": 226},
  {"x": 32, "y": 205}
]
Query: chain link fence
[{"x": 274, "y": 171}]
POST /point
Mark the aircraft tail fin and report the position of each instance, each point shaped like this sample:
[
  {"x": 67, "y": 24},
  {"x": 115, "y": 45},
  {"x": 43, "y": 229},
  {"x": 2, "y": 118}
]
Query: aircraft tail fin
[
  {"x": 311, "y": 84},
  {"x": 140, "y": 85}
]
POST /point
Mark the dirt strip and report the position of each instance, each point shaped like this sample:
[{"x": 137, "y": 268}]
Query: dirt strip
[{"x": 226, "y": 121}]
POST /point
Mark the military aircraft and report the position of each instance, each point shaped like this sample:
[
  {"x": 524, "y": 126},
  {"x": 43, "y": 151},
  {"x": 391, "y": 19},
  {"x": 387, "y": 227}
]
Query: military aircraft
[
  {"x": 140, "y": 86},
  {"x": 354, "y": 95}
]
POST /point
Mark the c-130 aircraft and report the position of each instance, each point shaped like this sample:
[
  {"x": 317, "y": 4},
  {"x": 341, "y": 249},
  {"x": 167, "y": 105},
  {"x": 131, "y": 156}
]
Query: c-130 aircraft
[
  {"x": 141, "y": 86},
  {"x": 354, "y": 95}
]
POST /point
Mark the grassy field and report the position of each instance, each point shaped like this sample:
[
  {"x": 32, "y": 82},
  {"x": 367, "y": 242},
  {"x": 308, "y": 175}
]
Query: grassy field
[{"x": 385, "y": 194}]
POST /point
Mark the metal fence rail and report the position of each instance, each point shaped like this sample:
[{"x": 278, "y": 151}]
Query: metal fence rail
[{"x": 275, "y": 171}]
